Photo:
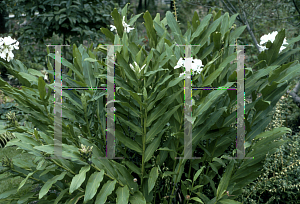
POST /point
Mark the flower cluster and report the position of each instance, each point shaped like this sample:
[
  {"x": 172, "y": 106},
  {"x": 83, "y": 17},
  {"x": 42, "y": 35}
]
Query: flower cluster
[
  {"x": 136, "y": 68},
  {"x": 45, "y": 74},
  {"x": 125, "y": 25},
  {"x": 270, "y": 37},
  {"x": 196, "y": 64},
  {"x": 6, "y": 48},
  {"x": 86, "y": 152}
]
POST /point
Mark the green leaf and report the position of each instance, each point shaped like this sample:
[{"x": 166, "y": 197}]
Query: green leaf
[
  {"x": 197, "y": 199},
  {"x": 124, "y": 11},
  {"x": 24, "y": 181},
  {"x": 41, "y": 88},
  {"x": 133, "y": 19},
  {"x": 133, "y": 167},
  {"x": 232, "y": 19},
  {"x": 157, "y": 127},
  {"x": 118, "y": 22},
  {"x": 131, "y": 125},
  {"x": 137, "y": 198},
  {"x": 88, "y": 72},
  {"x": 49, "y": 183},
  {"x": 14, "y": 191},
  {"x": 161, "y": 108},
  {"x": 285, "y": 56},
  {"x": 138, "y": 56},
  {"x": 168, "y": 173},
  {"x": 122, "y": 195},
  {"x": 219, "y": 161},
  {"x": 93, "y": 185},
  {"x": 217, "y": 40},
  {"x": 75, "y": 199},
  {"x": 210, "y": 79},
  {"x": 200, "y": 28},
  {"x": 173, "y": 24},
  {"x": 145, "y": 94},
  {"x": 62, "y": 193},
  {"x": 225, "y": 24},
  {"x": 77, "y": 59},
  {"x": 150, "y": 29},
  {"x": 152, "y": 148},
  {"x": 127, "y": 141},
  {"x": 108, "y": 34},
  {"x": 105, "y": 191},
  {"x": 35, "y": 72},
  {"x": 225, "y": 180},
  {"x": 198, "y": 173},
  {"x": 214, "y": 168},
  {"x": 228, "y": 201},
  {"x": 152, "y": 178},
  {"x": 273, "y": 51},
  {"x": 236, "y": 33},
  {"x": 212, "y": 28},
  {"x": 78, "y": 179},
  {"x": 85, "y": 20},
  {"x": 83, "y": 101}
]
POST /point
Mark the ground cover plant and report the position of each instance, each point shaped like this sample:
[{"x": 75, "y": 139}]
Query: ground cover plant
[{"x": 147, "y": 132}]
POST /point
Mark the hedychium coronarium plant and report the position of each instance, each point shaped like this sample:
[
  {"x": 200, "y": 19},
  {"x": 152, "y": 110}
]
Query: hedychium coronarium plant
[{"x": 149, "y": 109}]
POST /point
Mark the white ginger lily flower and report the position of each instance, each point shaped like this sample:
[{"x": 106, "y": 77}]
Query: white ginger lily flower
[
  {"x": 136, "y": 68},
  {"x": 270, "y": 37},
  {"x": 6, "y": 48},
  {"x": 125, "y": 25},
  {"x": 196, "y": 64}
]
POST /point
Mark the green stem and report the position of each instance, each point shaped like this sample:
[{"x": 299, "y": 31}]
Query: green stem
[{"x": 190, "y": 170}]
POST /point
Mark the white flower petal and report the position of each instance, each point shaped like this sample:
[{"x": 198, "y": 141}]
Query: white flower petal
[
  {"x": 131, "y": 67},
  {"x": 8, "y": 40},
  {"x": 112, "y": 27},
  {"x": 3, "y": 55}
]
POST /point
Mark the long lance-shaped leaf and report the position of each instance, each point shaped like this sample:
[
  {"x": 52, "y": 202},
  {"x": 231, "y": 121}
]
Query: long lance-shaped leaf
[
  {"x": 93, "y": 185},
  {"x": 122, "y": 195},
  {"x": 225, "y": 180},
  {"x": 78, "y": 179},
  {"x": 105, "y": 191},
  {"x": 49, "y": 183}
]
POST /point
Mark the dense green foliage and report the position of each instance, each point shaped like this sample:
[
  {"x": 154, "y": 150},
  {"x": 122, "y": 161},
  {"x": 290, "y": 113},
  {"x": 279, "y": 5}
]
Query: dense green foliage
[
  {"x": 72, "y": 20},
  {"x": 160, "y": 169}
]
